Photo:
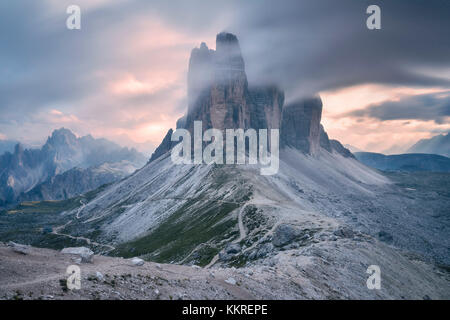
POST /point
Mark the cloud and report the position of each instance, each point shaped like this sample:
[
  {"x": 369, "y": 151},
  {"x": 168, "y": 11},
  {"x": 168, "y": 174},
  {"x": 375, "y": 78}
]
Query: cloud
[
  {"x": 124, "y": 69},
  {"x": 124, "y": 73},
  {"x": 433, "y": 106},
  {"x": 312, "y": 46},
  {"x": 385, "y": 119}
]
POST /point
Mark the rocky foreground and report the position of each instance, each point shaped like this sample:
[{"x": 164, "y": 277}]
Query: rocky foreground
[{"x": 325, "y": 271}]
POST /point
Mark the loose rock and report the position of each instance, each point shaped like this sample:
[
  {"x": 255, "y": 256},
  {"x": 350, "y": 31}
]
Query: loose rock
[
  {"x": 19, "y": 248},
  {"x": 231, "y": 281},
  {"x": 137, "y": 261},
  {"x": 84, "y": 253}
]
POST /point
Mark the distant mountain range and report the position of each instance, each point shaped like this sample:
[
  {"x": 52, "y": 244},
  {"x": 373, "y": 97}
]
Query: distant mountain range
[
  {"x": 63, "y": 167},
  {"x": 426, "y": 155},
  {"x": 439, "y": 144},
  {"x": 405, "y": 162}
]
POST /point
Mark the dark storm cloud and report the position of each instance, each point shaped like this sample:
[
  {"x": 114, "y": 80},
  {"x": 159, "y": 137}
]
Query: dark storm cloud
[
  {"x": 319, "y": 45},
  {"x": 434, "y": 106}
]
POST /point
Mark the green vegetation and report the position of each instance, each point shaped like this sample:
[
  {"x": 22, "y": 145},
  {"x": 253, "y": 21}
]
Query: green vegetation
[
  {"x": 194, "y": 233},
  {"x": 33, "y": 222},
  {"x": 45, "y": 207},
  {"x": 183, "y": 231}
]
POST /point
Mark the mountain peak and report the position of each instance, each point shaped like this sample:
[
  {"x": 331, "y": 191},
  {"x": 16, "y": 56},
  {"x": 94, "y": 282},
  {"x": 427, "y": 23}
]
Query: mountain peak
[
  {"x": 228, "y": 54},
  {"x": 61, "y": 138},
  {"x": 63, "y": 133},
  {"x": 439, "y": 144},
  {"x": 226, "y": 38}
]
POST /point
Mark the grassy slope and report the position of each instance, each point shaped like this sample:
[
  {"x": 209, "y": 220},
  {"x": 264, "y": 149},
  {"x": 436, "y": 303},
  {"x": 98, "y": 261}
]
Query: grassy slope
[
  {"x": 184, "y": 231},
  {"x": 195, "y": 232}
]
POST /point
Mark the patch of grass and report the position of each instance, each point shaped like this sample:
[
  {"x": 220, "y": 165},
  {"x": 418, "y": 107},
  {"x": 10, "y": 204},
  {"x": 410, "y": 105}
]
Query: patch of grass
[
  {"x": 43, "y": 207},
  {"x": 204, "y": 255},
  {"x": 182, "y": 232}
]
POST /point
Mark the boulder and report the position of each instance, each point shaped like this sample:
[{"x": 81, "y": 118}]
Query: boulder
[
  {"x": 76, "y": 260},
  {"x": 19, "y": 248},
  {"x": 285, "y": 234},
  {"x": 84, "y": 253},
  {"x": 231, "y": 281},
  {"x": 137, "y": 261},
  {"x": 99, "y": 276}
]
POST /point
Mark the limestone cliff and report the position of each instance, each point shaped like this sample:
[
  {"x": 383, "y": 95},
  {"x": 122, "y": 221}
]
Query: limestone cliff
[
  {"x": 219, "y": 95},
  {"x": 300, "y": 126}
]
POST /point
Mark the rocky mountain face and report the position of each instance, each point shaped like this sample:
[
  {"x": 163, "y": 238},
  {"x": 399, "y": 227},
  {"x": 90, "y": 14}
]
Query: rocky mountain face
[
  {"x": 77, "y": 181},
  {"x": 301, "y": 127},
  {"x": 25, "y": 169},
  {"x": 219, "y": 95},
  {"x": 439, "y": 144},
  {"x": 218, "y": 92}
]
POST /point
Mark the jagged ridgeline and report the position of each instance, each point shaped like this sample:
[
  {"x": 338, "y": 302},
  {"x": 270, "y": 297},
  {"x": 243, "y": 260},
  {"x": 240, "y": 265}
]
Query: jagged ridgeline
[{"x": 64, "y": 167}]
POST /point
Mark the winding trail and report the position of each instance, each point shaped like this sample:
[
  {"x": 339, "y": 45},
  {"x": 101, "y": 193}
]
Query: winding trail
[
  {"x": 87, "y": 240},
  {"x": 31, "y": 282},
  {"x": 80, "y": 209},
  {"x": 242, "y": 235}
]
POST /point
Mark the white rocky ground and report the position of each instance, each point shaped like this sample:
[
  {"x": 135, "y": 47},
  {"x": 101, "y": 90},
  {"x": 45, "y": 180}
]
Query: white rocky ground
[{"x": 329, "y": 270}]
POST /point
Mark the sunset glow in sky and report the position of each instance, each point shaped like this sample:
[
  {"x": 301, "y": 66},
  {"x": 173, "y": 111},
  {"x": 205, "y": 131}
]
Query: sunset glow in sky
[{"x": 123, "y": 75}]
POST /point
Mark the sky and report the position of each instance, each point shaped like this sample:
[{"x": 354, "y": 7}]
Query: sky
[{"x": 123, "y": 75}]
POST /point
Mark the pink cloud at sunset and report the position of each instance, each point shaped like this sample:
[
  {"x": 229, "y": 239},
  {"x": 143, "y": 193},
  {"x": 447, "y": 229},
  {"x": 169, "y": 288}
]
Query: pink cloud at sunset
[{"x": 372, "y": 134}]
